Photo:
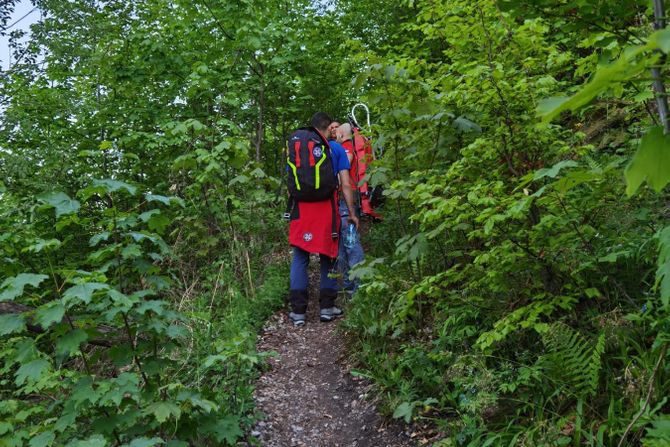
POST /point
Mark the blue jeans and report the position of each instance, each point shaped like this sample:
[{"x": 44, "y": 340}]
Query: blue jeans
[{"x": 348, "y": 257}]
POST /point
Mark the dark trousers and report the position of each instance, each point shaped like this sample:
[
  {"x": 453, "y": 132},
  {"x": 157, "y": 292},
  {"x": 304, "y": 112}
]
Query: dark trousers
[{"x": 299, "y": 294}]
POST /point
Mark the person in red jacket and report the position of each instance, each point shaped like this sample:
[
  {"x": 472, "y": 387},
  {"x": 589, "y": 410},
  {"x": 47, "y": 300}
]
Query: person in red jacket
[
  {"x": 311, "y": 231},
  {"x": 349, "y": 256}
]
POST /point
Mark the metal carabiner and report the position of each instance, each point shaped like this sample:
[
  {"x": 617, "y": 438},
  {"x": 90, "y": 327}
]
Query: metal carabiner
[{"x": 367, "y": 112}]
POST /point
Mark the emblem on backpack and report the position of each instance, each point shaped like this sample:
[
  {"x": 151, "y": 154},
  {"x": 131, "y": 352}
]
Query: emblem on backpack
[
  {"x": 317, "y": 152},
  {"x": 307, "y": 237}
]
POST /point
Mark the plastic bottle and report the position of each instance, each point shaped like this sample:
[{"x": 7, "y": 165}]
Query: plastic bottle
[{"x": 350, "y": 236}]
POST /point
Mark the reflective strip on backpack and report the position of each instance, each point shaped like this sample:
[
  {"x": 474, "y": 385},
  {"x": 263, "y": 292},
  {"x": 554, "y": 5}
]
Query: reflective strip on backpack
[
  {"x": 317, "y": 180},
  {"x": 295, "y": 173}
]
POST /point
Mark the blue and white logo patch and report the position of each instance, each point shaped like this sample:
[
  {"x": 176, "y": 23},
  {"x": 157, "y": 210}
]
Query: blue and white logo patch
[
  {"x": 307, "y": 237},
  {"x": 317, "y": 152}
]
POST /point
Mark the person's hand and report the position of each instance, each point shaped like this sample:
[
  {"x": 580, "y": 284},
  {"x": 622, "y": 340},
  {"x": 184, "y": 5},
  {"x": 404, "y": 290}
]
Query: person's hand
[{"x": 354, "y": 220}]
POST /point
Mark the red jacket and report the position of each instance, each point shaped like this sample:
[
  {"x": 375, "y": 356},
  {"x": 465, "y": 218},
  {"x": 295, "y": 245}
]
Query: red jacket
[{"x": 311, "y": 227}]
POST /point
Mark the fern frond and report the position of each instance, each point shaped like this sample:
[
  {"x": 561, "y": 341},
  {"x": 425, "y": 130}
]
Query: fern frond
[{"x": 572, "y": 359}]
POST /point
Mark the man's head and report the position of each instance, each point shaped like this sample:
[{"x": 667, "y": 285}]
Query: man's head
[
  {"x": 320, "y": 121},
  {"x": 332, "y": 129},
  {"x": 344, "y": 132}
]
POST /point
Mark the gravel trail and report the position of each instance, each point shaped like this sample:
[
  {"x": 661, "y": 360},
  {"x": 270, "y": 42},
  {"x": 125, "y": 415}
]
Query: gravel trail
[{"x": 308, "y": 396}]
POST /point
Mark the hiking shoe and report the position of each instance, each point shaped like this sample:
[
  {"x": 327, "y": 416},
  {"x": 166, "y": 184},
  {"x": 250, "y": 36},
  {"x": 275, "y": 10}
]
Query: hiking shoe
[
  {"x": 330, "y": 313},
  {"x": 297, "y": 319}
]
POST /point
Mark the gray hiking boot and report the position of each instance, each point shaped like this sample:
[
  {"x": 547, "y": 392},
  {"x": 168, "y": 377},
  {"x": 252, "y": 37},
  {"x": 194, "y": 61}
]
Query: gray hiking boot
[
  {"x": 330, "y": 313},
  {"x": 297, "y": 319}
]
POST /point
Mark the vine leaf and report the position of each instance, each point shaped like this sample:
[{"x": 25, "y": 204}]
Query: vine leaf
[
  {"x": 651, "y": 162},
  {"x": 13, "y": 287},
  {"x": 96, "y": 239},
  {"x": 11, "y": 323},
  {"x": 49, "y": 314},
  {"x": 163, "y": 410},
  {"x": 93, "y": 441},
  {"x": 44, "y": 439},
  {"x": 164, "y": 199},
  {"x": 144, "y": 442},
  {"x": 225, "y": 429},
  {"x": 83, "y": 292},
  {"x": 106, "y": 186},
  {"x": 110, "y": 186},
  {"x": 554, "y": 170},
  {"x": 32, "y": 371},
  {"x": 70, "y": 342},
  {"x": 61, "y": 202}
]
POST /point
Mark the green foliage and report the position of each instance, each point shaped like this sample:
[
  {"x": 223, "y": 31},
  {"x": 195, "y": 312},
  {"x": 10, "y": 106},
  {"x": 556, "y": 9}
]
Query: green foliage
[
  {"x": 650, "y": 162},
  {"x": 512, "y": 295},
  {"x": 573, "y": 360},
  {"x": 512, "y": 281}
]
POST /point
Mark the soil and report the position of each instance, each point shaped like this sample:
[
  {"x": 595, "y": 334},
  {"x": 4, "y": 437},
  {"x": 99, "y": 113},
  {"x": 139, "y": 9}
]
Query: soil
[{"x": 308, "y": 396}]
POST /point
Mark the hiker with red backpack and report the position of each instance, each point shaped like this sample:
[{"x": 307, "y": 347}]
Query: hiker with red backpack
[
  {"x": 350, "y": 248},
  {"x": 314, "y": 167}
]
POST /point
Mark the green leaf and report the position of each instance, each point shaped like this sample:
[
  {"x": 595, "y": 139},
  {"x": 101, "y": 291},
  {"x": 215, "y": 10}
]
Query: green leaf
[
  {"x": 13, "y": 287},
  {"x": 663, "y": 39},
  {"x": 144, "y": 442},
  {"x": 212, "y": 359},
  {"x": 175, "y": 331},
  {"x": 145, "y": 216},
  {"x": 61, "y": 202},
  {"x": 155, "y": 306},
  {"x": 554, "y": 170},
  {"x": 42, "y": 244},
  {"x": 96, "y": 239},
  {"x": 109, "y": 186},
  {"x": 226, "y": 429},
  {"x": 165, "y": 200},
  {"x": 404, "y": 410},
  {"x": 44, "y": 439},
  {"x": 158, "y": 223},
  {"x": 592, "y": 292},
  {"x": 622, "y": 69},
  {"x": 5, "y": 427},
  {"x": 177, "y": 443},
  {"x": 163, "y": 410},
  {"x": 546, "y": 106},
  {"x": 651, "y": 162},
  {"x": 93, "y": 441},
  {"x": 49, "y": 314},
  {"x": 11, "y": 323},
  {"x": 663, "y": 265},
  {"x": 131, "y": 251},
  {"x": 69, "y": 343},
  {"x": 31, "y": 371},
  {"x": 82, "y": 292},
  {"x": 465, "y": 125}
]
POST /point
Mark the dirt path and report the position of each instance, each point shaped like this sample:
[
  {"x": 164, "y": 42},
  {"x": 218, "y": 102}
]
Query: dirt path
[{"x": 308, "y": 396}]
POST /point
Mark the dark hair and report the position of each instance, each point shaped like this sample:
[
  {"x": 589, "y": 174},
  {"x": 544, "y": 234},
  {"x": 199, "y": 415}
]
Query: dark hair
[{"x": 321, "y": 120}]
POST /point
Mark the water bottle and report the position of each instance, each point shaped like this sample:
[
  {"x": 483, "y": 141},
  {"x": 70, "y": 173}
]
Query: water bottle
[{"x": 350, "y": 236}]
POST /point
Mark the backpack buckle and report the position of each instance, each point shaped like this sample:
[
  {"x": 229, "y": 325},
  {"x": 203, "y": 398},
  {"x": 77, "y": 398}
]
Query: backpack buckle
[
  {"x": 334, "y": 235},
  {"x": 286, "y": 216}
]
